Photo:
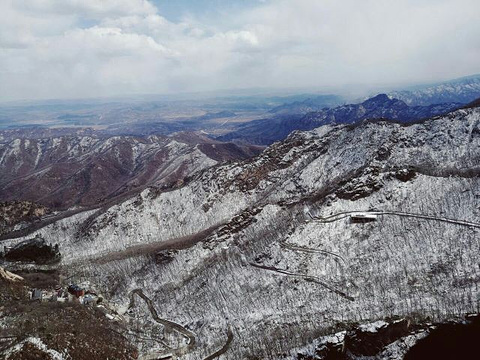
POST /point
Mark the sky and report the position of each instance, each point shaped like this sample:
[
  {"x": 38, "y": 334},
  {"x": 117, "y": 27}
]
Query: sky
[{"x": 102, "y": 48}]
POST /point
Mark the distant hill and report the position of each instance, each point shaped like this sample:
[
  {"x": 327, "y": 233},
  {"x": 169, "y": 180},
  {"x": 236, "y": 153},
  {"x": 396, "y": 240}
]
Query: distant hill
[
  {"x": 267, "y": 131},
  {"x": 461, "y": 90},
  {"x": 65, "y": 171},
  {"x": 313, "y": 103}
]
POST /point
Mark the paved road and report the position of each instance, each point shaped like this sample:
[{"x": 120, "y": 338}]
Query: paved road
[
  {"x": 167, "y": 323},
  {"x": 314, "y": 279},
  {"x": 344, "y": 214},
  {"x": 179, "y": 328},
  {"x": 224, "y": 348},
  {"x": 310, "y": 250}
]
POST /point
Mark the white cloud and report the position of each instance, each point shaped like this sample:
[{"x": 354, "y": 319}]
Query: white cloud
[
  {"x": 370, "y": 40},
  {"x": 88, "y": 8},
  {"x": 77, "y": 48}
]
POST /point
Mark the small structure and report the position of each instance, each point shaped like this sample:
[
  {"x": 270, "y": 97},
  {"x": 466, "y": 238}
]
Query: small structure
[
  {"x": 168, "y": 356},
  {"x": 363, "y": 218},
  {"x": 76, "y": 290},
  {"x": 6, "y": 249},
  {"x": 58, "y": 289},
  {"x": 89, "y": 300},
  {"x": 37, "y": 295}
]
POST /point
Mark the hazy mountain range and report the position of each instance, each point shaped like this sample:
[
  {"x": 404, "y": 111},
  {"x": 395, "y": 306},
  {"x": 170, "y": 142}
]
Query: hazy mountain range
[
  {"x": 267, "y": 131},
  {"x": 462, "y": 90}
]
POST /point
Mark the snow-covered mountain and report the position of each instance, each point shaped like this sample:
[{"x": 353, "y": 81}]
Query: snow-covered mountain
[
  {"x": 462, "y": 90},
  {"x": 341, "y": 225},
  {"x": 381, "y": 106},
  {"x": 64, "y": 171}
]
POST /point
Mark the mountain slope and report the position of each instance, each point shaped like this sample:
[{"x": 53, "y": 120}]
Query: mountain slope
[
  {"x": 379, "y": 107},
  {"x": 234, "y": 259},
  {"x": 61, "y": 172}
]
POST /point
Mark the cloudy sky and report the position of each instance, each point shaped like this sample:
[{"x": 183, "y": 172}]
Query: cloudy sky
[{"x": 89, "y": 48}]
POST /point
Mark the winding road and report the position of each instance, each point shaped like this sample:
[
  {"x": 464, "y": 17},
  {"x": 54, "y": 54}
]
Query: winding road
[
  {"x": 310, "y": 250},
  {"x": 306, "y": 277},
  {"x": 344, "y": 214},
  {"x": 177, "y": 327},
  {"x": 167, "y": 323},
  {"x": 224, "y": 348}
]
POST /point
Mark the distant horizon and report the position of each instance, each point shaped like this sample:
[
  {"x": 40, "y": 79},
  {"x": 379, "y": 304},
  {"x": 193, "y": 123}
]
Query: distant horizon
[
  {"x": 69, "y": 49},
  {"x": 362, "y": 92}
]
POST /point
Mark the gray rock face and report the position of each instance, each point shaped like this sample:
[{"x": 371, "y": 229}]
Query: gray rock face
[
  {"x": 378, "y": 340},
  {"x": 266, "y": 247}
]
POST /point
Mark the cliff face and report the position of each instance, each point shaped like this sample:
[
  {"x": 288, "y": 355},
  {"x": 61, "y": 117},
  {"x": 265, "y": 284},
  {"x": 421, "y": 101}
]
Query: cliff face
[{"x": 262, "y": 256}]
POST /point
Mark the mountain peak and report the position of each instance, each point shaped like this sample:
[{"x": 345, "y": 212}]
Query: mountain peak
[
  {"x": 383, "y": 101},
  {"x": 378, "y": 99}
]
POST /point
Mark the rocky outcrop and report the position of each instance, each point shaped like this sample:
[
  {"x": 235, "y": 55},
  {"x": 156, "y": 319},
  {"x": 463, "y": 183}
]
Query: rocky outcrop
[
  {"x": 165, "y": 256},
  {"x": 8, "y": 276},
  {"x": 369, "y": 340},
  {"x": 35, "y": 250},
  {"x": 18, "y": 213},
  {"x": 365, "y": 340},
  {"x": 401, "y": 339},
  {"x": 454, "y": 340}
]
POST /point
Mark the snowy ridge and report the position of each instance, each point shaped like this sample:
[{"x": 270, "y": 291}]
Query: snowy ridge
[{"x": 463, "y": 90}]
